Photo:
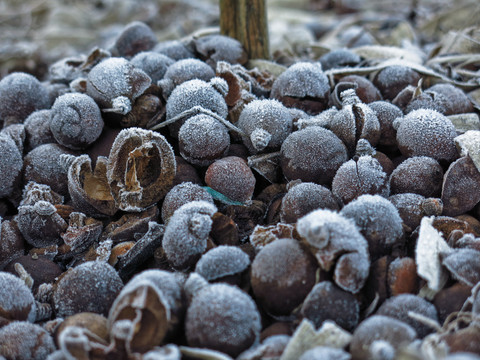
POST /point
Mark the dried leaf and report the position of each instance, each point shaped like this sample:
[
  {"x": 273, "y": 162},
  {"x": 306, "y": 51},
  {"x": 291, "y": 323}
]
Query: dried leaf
[
  {"x": 203, "y": 354},
  {"x": 378, "y": 52},
  {"x": 306, "y": 337},
  {"x": 430, "y": 247},
  {"x": 465, "y": 122},
  {"x": 469, "y": 144}
]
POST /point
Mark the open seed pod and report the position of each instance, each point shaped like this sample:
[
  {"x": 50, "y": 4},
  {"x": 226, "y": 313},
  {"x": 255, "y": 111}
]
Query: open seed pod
[
  {"x": 152, "y": 301},
  {"x": 337, "y": 244},
  {"x": 355, "y": 121},
  {"x": 141, "y": 168},
  {"x": 89, "y": 190},
  {"x": 77, "y": 342}
]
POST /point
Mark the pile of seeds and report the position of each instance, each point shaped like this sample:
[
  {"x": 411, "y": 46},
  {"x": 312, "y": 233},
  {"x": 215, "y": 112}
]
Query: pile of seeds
[{"x": 168, "y": 200}]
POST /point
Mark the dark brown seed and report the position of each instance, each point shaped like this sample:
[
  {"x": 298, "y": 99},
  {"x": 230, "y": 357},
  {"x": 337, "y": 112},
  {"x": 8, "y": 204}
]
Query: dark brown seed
[
  {"x": 135, "y": 37},
  {"x": 282, "y": 275},
  {"x": 393, "y": 79},
  {"x": 418, "y": 175},
  {"x": 23, "y": 341},
  {"x": 303, "y": 198},
  {"x": 222, "y": 317},
  {"x": 89, "y": 287},
  {"x": 232, "y": 177},
  {"x": 461, "y": 187},
  {"x": 328, "y": 302},
  {"x": 303, "y": 86},
  {"x": 402, "y": 276},
  {"x": 399, "y": 306},
  {"x": 366, "y": 91},
  {"x": 313, "y": 154},
  {"x": 451, "y": 299}
]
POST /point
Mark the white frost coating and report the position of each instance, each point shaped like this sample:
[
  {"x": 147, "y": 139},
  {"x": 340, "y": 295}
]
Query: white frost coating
[
  {"x": 323, "y": 119},
  {"x": 122, "y": 105},
  {"x": 181, "y": 245},
  {"x": 469, "y": 144},
  {"x": 15, "y": 296},
  {"x": 306, "y": 337},
  {"x": 430, "y": 246},
  {"x": 426, "y": 132},
  {"x": 323, "y": 227},
  {"x": 222, "y": 261},
  {"x": 302, "y": 79},
  {"x": 325, "y": 353}
]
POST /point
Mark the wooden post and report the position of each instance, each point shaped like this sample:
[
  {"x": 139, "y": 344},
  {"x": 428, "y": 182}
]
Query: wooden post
[{"x": 246, "y": 21}]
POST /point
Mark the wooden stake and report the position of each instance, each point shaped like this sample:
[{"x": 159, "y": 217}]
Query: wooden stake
[{"x": 246, "y": 21}]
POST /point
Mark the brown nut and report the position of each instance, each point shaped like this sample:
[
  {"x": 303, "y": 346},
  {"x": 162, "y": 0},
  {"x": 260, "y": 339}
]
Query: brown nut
[
  {"x": 461, "y": 187},
  {"x": 95, "y": 323},
  {"x": 89, "y": 287},
  {"x": 426, "y": 132},
  {"x": 399, "y": 306},
  {"x": 304, "y": 86},
  {"x": 312, "y": 154},
  {"x": 328, "y": 302},
  {"x": 231, "y": 177},
  {"x": 378, "y": 221},
  {"x": 40, "y": 224},
  {"x": 418, "y": 175},
  {"x": 380, "y": 334},
  {"x": 355, "y": 121},
  {"x": 141, "y": 168},
  {"x": 23, "y": 340},
  {"x": 393, "y": 79},
  {"x": 357, "y": 177},
  {"x": 282, "y": 274},
  {"x": 16, "y": 299},
  {"x": 224, "y": 318},
  {"x": 303, "y": 198},
  {"x": 223, "y": 264}
]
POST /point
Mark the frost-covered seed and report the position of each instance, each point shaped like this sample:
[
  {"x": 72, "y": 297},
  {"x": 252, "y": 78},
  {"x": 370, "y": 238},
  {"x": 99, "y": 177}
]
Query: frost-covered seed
[
  {"x": 222, "y": 317},
  {"x": 91, "y": 286},
  {"x": 428, "y": 133},
  {"x": 76, "y": 121},
  {"x": 221, "y": 262},
  {"x": 378, "y": 221},
  {"x": 20, "y": 95},
  {"x": 182, "y": 246},
  {"x": 282, "y": 275},
  {"x": 180, "y": 195},
  {"x": 313, "y": 154},
  {"x": 153, "y": 64}
]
